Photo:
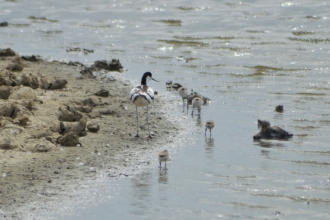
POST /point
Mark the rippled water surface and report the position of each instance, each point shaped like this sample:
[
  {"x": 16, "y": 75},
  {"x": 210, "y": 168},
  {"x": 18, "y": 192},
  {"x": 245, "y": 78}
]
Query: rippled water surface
[{"x": 247, "y": 57}]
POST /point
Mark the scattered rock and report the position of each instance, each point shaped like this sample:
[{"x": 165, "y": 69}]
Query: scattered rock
[
  {"x": 268, "y": 132},
  {"x": 7, "y": 52},
  {"x": 42, "y": 134},
  {"x": 93, "y": 127},
  {"x": 90, "y": 102},
  {"x": 66, "y": 115},
  {"x": 79, "y": 50},
  {"x": 4, "y": 24},
  {"x": 279, "y": 108},
  {"x": 29, "y": 81},
  {"x": 5, "y": 92},
  {"x": 23, "y": 93},
  {"x": 58, "y": 84},
  {"x": 87, "y": 72},
  {"x": 42, "y": 148},
  {"x": 108, "y": 112},
  {"x": 94, "y": 114},
  {"x": 75, "y": 63},
  {"x": 115, "y": 65},
  {"x": 23, "y": 120},
  {"x": 15, "y": 67},
  {"x": 76, "y": 127},
  {"x": 31, "y": 58},
  {"x": 7, "y": 146},
  {"x": 8, "y": 109},
  {"x": 102, "y": 93},
  {"x": 28, "y": 104},
  {"x": 69, "y": 139}
]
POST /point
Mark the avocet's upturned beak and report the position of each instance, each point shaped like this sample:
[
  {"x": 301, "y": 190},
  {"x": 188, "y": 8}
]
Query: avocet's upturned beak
[{"x": 154, "y": 79}]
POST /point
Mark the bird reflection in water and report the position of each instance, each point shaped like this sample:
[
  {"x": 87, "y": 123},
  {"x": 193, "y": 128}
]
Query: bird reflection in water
[
  {"x": 163, "y": 178},
  {"x": 209, "y": 144},
  {"x": 199, "y": 121}
]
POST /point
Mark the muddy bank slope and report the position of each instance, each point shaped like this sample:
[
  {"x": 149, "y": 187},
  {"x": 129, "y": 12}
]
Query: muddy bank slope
[{"x": 60, "y": 125}]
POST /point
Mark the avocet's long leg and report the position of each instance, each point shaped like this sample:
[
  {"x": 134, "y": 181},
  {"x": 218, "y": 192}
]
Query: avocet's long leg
[
  {"x": 137, "y": 122},
  {"x": 205, "y": 131},
  {"x": 148, "y": 121}
]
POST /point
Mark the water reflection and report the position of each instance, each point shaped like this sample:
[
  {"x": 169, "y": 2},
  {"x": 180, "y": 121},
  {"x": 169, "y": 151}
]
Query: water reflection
[
  {"x": 198, "y": 121},
  {"x": 265, "y": 153},
  {"x": 163, "y": 178},
  {"x": 268, "y": 144},
  {"x": 141, "y": 186},
  {"x": 209, "y": 145},
  {"x": 183, "y": 107}
]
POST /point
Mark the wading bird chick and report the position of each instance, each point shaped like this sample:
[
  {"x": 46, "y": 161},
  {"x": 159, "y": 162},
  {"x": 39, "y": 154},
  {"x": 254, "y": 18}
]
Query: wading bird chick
[
  {"x": 209, "y": 124},
  {"x": 183, "y": 92},
  {"x": 163, "y": 157},
  {"x": 197, "y": 103}
]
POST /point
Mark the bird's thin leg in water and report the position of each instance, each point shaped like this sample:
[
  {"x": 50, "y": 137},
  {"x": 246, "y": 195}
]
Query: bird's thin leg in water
[
  {"x": 137, "y": 122},
  {"x": 205, "y": 131}
]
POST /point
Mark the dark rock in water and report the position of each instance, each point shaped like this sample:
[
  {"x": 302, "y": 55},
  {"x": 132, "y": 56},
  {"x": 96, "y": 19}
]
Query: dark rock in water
[
  {"x": 7, "y": 53},
  {"x": 279, "y": 108},
  {"x": 260, "y": 122},
  {"x": 75, "y": 63},
  {"x": 268, "y": 132},
  {"x": 115, "y": 65},
  {"x": 93, "y": 127},
  {"x": 79, "y": 50},
  {"x": 69, "y": 139},
  {"x": 86, "y": 51},
  {"x": 31, "y": 58},
  {"x": 4, "y": 24},
  {"x": 196, "y": 95},
  {"x": 102, "y": 93}
]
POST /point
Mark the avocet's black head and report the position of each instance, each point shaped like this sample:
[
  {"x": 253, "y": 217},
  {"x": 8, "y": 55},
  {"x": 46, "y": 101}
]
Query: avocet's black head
[{"x": 146, "y": 77}]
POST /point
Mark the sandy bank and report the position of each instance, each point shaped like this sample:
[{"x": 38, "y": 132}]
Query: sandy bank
[{"x": 55, "y": 100}]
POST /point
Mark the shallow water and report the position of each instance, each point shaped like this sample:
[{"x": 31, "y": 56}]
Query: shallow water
[{"x": 247, "y": 57}]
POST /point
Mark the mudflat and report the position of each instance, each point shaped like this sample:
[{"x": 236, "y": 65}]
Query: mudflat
[{"x": 62, "y": 123}]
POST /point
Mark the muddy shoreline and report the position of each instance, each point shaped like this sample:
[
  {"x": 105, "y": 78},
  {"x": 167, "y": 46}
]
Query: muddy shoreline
[{"x": 36, "y": 167}]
